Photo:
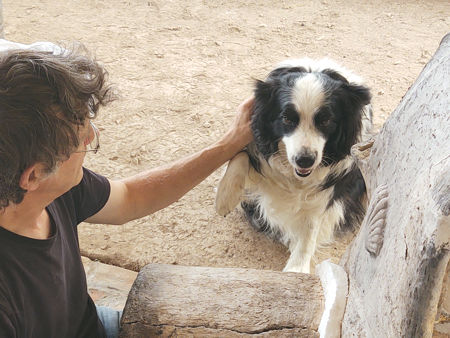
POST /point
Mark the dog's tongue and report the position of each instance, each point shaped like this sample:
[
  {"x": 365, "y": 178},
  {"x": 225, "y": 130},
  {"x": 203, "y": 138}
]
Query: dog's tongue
[{"x": 303, "y": 172}]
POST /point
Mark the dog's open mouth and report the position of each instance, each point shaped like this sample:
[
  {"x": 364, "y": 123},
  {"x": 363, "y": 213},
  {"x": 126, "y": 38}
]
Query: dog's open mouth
[{"x": 303, "y": 172}]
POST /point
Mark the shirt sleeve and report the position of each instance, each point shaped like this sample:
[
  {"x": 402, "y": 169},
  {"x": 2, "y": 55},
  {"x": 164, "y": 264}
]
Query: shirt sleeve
[{"x": 90, "y": 196}]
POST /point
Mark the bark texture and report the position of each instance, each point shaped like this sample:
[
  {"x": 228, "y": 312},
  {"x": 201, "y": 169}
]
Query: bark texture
[
  {"x": 397, "y": 263},
  {"x": 170, "y": 300}
]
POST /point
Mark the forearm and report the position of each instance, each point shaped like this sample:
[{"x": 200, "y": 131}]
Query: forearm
[{"x": 157, "y": 188}]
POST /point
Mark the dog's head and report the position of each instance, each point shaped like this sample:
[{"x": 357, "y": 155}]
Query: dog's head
[{"x": 316, "y": 115}]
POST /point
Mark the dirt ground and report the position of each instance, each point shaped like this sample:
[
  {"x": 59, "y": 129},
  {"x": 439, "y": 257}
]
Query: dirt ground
[{"x": 182, "y": 67}]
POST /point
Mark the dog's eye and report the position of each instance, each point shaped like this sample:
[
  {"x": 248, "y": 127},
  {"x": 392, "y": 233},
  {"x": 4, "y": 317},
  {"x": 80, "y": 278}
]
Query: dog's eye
[
  {"x": 324, "y": 119},
  {"x": 289, "y": 117},
  {"x": 325, "y": 122},
  {"x": 288, "y": 121}
]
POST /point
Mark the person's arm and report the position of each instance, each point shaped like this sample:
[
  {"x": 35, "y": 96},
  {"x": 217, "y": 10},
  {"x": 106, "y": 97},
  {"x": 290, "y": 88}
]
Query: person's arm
[{"x": 153, "y": 190}]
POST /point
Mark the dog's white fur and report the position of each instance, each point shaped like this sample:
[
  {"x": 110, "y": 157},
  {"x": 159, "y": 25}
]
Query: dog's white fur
[
  {"x": 287, "y": 203},
  {"x": 295, "y": 204}
]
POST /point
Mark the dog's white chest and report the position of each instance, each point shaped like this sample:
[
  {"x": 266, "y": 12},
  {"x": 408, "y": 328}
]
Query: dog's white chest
[{"x": 290, "y": 209}]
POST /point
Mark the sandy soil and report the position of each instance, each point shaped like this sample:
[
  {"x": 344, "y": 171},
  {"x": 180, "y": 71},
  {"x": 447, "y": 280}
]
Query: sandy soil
[{"x": 182, "y": 67}]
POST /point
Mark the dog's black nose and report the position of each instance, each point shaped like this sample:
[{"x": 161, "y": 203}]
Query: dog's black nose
[{"x": 305, "y": 160}]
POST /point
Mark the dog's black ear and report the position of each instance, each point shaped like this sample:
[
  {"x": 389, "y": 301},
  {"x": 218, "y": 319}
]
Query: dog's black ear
[
  {"x": 264, "y": 113},
  {"x": 264, "y": 90},
  {"x": 283, "y": 71},
  {"x": 353, "y": 98},
  {"x": 358, "y": 95},
  {"x": 335, "y": 75}
]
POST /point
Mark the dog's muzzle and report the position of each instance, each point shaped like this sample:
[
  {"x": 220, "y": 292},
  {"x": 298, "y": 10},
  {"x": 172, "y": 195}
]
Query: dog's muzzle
[{"x": 305, "y": 161}]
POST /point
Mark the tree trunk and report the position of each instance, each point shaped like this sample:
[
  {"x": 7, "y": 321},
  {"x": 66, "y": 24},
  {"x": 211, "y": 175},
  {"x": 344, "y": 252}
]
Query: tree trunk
[{"x": 397, "y": 263}]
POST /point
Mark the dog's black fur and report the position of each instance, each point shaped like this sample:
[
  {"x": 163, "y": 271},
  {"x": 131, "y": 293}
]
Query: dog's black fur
[{"x": 315, "y": 112}]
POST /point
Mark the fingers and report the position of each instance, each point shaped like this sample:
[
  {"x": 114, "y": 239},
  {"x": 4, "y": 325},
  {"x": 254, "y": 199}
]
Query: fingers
[
  {"x": 240, "y": 134},
  {"x": 242, "y": 121},
  {"x": 246, "y": 106},
  {"x": 244, "y": 112}
]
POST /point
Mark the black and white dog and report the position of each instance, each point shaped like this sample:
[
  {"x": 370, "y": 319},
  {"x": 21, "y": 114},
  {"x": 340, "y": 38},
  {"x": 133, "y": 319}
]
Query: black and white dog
[{"x": 297, "y": 180}]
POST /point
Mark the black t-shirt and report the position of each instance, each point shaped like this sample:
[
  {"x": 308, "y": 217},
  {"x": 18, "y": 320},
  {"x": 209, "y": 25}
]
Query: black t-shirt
[{"x": 43, "y": 291}]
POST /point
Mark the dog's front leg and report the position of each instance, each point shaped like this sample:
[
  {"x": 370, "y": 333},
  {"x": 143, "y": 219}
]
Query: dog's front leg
[
  {"x": 302, "y": 250},
  {"x": 232, "y": 184}
]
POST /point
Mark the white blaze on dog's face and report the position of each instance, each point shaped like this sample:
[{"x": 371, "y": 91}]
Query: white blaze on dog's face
[
  {"x": 307, "y": 117},
  {"x": 305, "y": 143}
]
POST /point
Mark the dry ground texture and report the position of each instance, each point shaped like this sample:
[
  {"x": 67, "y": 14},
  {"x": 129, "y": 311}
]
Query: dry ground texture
[{"x": 182, "y": 67}]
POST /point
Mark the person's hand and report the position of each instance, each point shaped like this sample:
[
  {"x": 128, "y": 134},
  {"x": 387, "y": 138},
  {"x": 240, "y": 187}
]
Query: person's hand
[{"x": 240, "y": 133}]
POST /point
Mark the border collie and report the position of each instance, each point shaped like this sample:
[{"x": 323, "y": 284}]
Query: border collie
[{"x": 297, "y": 181}]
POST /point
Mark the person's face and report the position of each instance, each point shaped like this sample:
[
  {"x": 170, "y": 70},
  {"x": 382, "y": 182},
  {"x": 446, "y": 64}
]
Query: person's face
[{"x": 70, "y": 172}]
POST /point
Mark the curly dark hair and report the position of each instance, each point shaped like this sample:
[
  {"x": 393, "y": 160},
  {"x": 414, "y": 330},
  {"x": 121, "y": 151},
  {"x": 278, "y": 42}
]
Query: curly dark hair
[{"x": 45, "y": 97}]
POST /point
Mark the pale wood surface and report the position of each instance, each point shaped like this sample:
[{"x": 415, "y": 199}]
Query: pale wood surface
[
  {"x": 171, "y": 300},
  {"x": 108, "y": 285},
  {"x": 397, "y": 263},
  {"x": 1, "y": 19}
]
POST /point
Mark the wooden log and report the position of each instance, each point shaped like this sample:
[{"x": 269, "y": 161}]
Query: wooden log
[
  {"x": 168, "y": 300},
  {"x": 397, "y": 263},
  {"x": 1, "y": 20}
]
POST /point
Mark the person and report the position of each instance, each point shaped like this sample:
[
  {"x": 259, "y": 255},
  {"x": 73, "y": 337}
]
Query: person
[{"x": 49, "y": 97}]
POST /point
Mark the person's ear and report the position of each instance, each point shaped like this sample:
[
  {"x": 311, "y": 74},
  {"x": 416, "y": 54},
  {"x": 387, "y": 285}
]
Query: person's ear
[{"x": 32, "y": 176}]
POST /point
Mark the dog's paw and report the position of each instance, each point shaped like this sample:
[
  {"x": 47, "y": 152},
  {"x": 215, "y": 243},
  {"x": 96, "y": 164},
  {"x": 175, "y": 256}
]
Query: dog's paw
[
  {"x": 302, "y": 269},
  {"x": 227, "y": 200},
  {"x": 298, "y": 261},
  {"x": 231, "y": 187}
]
